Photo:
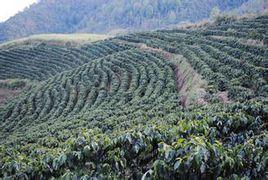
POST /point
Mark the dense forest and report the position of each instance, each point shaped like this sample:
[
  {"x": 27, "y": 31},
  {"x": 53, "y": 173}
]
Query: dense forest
[{"x": 102, "y": 16}]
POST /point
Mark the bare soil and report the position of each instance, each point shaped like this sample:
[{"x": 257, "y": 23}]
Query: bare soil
[
  {"x": 188, "y": 82},
  {"x": 223, "y": 96},
  {"x": 6, "y": 94}
]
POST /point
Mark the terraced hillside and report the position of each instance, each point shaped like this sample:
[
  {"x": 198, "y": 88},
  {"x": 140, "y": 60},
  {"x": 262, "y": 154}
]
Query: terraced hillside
[
  {"x": 43, "y": 61},
  {"x": 165, "y": 104}
]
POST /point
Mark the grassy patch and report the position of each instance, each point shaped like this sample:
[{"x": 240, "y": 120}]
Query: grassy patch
[{"x": 57, "y": 39}]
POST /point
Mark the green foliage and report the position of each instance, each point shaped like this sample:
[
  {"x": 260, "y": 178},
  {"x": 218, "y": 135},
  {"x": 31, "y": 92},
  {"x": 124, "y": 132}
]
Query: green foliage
[
  {"x": 196, "y": 145},
  {"x": 223, "y": 19},
  {"x": 218, "y": 60},
  {"x": 113, "y": 109}
]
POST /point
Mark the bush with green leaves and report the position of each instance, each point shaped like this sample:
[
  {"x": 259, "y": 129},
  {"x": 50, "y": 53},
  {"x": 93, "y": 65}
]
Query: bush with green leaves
[{"x": 115, "y": 108}]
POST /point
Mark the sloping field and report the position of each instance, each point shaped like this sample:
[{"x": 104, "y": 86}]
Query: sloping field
[
  {"x": 55, "y": 39},
  {"x": 168, "y": 104}
]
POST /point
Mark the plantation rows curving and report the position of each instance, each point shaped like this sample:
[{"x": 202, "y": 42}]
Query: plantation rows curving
[
  {"x": 129, "y": 79},
  {"x": 43, "y": 61},
  {"x": 224, "y": 61},
  {"x": 116, "y": 108}
]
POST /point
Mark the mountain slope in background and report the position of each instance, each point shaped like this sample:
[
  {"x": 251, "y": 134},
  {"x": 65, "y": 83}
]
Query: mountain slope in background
[
  {"x": 102, "y": 16},
  {"x": 252, "y": 6}
]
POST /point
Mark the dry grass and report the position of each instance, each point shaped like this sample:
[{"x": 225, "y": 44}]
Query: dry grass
[
  {"x": 251, "y": 42},
  {"x": 57, "y": 39},
  {"x": 190, "y": 85},
  {"x": 6, "y": 94},
  {"x": 69, "y": 37},
  {"x": 189, "y": 25}
]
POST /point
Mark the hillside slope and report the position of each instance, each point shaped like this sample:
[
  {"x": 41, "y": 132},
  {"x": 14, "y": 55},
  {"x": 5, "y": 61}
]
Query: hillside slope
[
  {"x": 252, "y": 6},
  {"x": 56, "y": 39},
  {"x": 161, "y": 104},
  {"x": 102, "y": 16}
]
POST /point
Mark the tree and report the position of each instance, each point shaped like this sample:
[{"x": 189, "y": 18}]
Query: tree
[{"x": 215, "y": 12}]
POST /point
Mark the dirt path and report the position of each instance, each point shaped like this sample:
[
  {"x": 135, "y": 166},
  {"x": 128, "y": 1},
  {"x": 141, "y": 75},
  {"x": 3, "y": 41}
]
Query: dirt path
[{"x": 190, "y": 85}]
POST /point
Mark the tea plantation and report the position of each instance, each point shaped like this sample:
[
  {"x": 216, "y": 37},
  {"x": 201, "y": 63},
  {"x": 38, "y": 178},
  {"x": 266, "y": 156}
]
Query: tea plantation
[{"x": 169, "y": 104}]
